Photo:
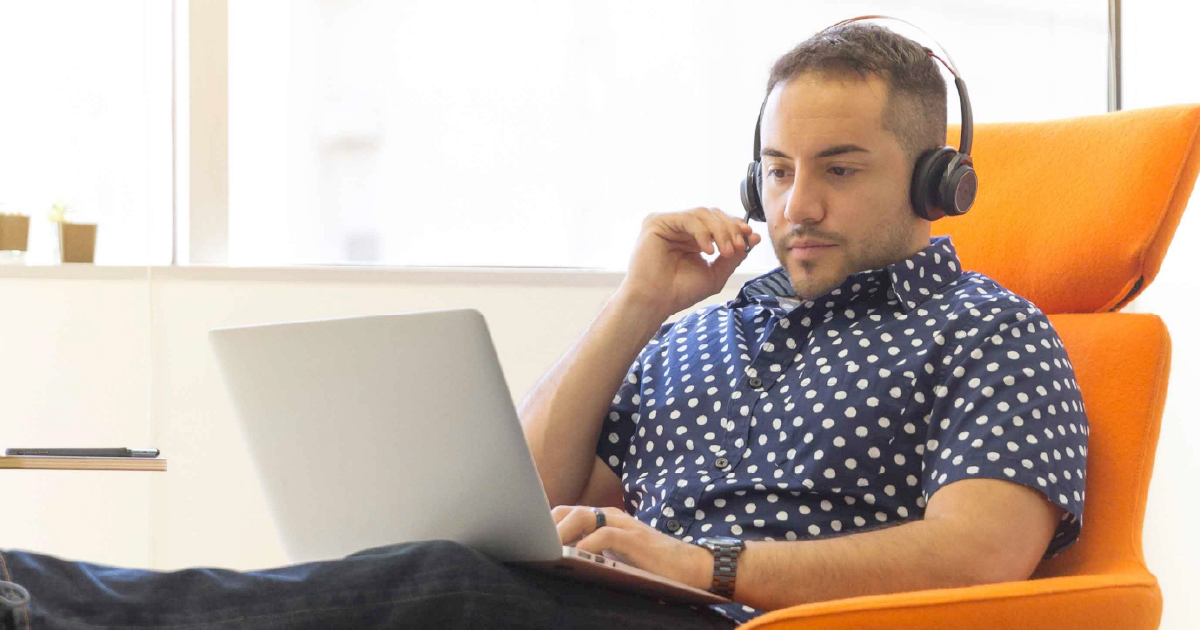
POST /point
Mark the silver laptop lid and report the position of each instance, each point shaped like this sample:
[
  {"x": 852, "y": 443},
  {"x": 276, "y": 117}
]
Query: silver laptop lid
[{"x": 369, "y": 431}]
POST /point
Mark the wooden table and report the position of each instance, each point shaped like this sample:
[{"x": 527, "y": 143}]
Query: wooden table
[{"x": 150, "y": 464}]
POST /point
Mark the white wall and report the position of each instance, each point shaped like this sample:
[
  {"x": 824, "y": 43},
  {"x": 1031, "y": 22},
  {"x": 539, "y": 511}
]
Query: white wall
[
  {"x": 107, "y": 357},
  {"x": 1155, "y": 32},
  {"x": 74, "y": 371},
  {"x": 1172, "y": 548}
]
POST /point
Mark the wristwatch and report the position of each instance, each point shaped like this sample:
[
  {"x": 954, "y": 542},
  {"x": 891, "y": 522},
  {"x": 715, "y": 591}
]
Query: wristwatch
[{"x": 725, "y": 553}]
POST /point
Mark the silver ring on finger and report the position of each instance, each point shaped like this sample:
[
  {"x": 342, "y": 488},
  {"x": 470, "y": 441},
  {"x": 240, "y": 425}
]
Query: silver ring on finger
[{"x": 601, "y": 520}]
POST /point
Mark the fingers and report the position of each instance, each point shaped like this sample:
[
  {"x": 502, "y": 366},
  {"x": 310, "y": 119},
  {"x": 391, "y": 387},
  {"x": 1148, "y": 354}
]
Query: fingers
[
  {"x": 705, "y": 229},
  {"x": 577, "y": 521},
  {"x": 736, "y": 233},
  {"x": 718, "y": 231},
  {"x": 682, "y": 229},
  {"x": 725, "y": 230},
  {"x": 738, "y": 228},
  {"x": 705, "y": 232},
  {"x": 623, "y": 537},
  {"x": 607, "y": 539},
  {"x": 559, "y": 512}
]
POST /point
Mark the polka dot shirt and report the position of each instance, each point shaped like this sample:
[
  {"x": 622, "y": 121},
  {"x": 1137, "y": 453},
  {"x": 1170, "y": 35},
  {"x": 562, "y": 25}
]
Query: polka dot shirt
[{"x": 775, "y": 418}]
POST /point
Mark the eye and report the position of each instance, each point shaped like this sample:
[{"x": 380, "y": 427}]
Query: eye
[
  {"x": 843, "y": 170},
  {"x": 776, "y": 173}
]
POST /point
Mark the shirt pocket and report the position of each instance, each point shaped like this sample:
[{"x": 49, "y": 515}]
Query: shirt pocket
[{"x": 842, "y": 435}]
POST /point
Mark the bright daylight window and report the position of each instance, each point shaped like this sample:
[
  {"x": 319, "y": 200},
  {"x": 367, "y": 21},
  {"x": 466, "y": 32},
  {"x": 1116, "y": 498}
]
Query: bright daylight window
[
  {"x": 86, "y": 111},
  {"x": 425, "y": 132},
  {"x": 524, "y": 133}
]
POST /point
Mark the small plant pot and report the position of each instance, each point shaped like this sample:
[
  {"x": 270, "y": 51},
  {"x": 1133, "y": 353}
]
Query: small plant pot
[
  {"x": 77, "y": 242},
  {"x": 14, "y": 232}
]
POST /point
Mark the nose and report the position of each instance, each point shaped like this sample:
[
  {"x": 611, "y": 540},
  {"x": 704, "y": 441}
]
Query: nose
[{"x": 803, "y": 203}]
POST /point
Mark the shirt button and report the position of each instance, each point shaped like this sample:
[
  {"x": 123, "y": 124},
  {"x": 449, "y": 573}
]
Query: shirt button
[
  {"x": 756, "y": 382},
  {"x": 722, "y": 463},
  {"x": 673, "y": 525}
]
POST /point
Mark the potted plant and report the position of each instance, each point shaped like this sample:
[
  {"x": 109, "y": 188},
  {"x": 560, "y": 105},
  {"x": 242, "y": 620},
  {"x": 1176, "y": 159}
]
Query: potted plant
[
  {"x": 14, "y": 236},
  {"x": 76, "y": 241}
]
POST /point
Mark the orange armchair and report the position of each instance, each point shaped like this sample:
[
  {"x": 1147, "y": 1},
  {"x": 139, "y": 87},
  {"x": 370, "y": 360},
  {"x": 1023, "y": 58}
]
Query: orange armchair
[{"x": 1075, "y": 215}]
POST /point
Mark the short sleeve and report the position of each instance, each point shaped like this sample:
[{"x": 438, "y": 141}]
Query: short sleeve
[
  {"x": 1008, "y": 407},
  {"x": 623, "y": 415}
]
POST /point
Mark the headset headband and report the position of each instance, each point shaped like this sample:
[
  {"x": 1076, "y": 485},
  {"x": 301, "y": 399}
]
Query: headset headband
[{"x": 966, "y": 130}]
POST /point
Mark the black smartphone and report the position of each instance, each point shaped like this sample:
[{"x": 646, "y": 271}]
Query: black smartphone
[{"x": 82, "y": 452}]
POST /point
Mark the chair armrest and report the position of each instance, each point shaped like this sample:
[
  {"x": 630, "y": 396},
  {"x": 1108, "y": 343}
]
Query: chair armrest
[{"x": 1087, "y": 602}]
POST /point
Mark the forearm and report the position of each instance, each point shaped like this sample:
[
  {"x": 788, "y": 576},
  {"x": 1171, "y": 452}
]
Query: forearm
[
  {"x": 918, "y": 555},
  {"x": 563, "y": 413}
]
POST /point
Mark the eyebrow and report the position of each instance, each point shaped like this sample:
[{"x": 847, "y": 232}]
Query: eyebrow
[{"x": 830, "y": 152}]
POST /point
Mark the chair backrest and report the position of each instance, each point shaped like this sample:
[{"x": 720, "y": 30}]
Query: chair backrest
[
  {"x": 1121, "y": 362},
  {"x": 1076, "y": 215}
]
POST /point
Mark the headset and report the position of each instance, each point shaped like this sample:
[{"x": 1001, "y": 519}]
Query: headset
[{"x": 943, "y": 178}]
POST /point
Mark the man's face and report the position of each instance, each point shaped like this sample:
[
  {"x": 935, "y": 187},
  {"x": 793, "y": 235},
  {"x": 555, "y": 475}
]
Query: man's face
[{"x": 831, "y": 173}]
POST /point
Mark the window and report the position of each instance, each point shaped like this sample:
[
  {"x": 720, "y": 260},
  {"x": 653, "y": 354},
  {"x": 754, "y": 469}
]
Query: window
[
  {"x": 86, "y": 111},
  {"x": 422, "y": 132},
  {"x": 527, "y": 133}
]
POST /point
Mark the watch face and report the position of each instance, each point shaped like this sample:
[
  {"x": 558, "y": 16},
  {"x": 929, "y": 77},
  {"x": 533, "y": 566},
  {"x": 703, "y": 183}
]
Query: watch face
[{"x": 720, "y": 540}]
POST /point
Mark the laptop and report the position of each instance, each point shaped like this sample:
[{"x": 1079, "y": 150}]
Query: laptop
[{"x": 371, "y": 431}]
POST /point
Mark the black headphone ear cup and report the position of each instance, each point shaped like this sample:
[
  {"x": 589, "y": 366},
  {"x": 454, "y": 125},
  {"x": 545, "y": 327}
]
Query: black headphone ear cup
[
  {"x": 759, "y": 212},
  {"x": 926, "y": 181},
  {"x": 956, "y": 192},
  {"x": 751, "y": 188}
]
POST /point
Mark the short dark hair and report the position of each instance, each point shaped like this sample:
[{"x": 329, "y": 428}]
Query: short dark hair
[{"x": 915, "y": 111}]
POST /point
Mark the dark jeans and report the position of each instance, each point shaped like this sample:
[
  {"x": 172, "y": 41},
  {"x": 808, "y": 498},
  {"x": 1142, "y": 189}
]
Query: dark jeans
[{"x": 433, "y": 585}]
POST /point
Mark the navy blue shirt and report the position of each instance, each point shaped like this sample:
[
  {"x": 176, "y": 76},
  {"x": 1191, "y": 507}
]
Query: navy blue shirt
[{"x": 775, "y": 418}]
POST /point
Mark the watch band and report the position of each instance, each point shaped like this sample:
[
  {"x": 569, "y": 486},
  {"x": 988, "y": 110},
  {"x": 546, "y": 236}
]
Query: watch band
[{"x": 725, "y": 557}]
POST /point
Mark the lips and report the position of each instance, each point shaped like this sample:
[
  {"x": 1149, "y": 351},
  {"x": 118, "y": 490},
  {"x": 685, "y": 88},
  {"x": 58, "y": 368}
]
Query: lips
[
  {"x": 807, "y": 249},
  {"x": 807, "y": 242}
]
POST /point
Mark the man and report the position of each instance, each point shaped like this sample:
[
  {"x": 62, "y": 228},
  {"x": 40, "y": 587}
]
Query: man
[
  {"x": 867, "y": 382},
  {"x": 866, "y": 418}
]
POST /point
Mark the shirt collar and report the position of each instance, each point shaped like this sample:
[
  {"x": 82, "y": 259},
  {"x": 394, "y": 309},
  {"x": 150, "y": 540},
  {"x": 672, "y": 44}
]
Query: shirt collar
[{"x": 911, "y": 281}]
